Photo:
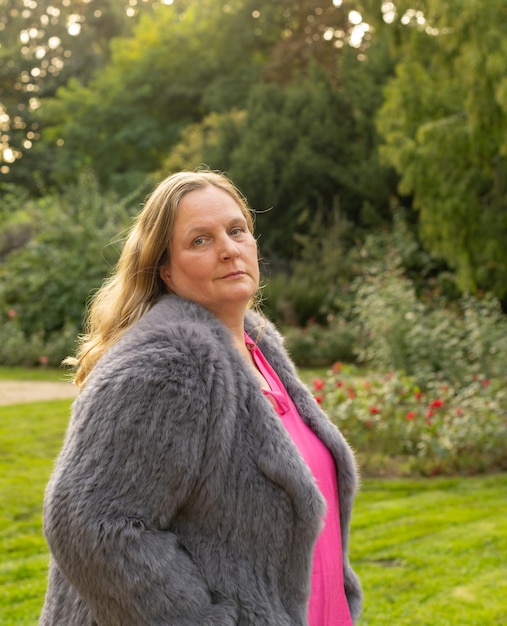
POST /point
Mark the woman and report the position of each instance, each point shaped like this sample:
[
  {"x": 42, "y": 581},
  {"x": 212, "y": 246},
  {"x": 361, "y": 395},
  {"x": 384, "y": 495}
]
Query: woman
[{"x": 199, "y": 482}]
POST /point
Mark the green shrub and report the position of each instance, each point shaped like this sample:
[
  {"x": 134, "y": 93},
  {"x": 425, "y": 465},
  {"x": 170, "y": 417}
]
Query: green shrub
[
  {"x": 289, "y": 300},
  {"x": 18, "y": 348},
  {"x": 319, "y": 346},
  {"x": 401, "y": 332},
  {"x": 316, "y": 284},
  {"x": 47, "y": 282}
]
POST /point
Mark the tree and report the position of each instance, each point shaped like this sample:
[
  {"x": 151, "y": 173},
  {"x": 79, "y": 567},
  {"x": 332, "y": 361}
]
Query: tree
[
  {"x": 181, "y": 62},
  {"x": 305, "y": 33},
  {"x": 303, "y": 151},
  {"x": 444, "y": 123},
  {"x": 44, "y": 43},
  {"x": 164, "y": 77}
]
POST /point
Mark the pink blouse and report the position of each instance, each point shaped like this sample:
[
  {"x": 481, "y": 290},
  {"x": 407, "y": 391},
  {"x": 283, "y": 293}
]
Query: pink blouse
[{"x": 328, "y": 603}]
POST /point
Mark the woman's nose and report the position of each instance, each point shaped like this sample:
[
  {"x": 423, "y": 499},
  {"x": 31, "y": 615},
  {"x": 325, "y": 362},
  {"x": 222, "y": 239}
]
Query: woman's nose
[{"x": 228, "y": 249}]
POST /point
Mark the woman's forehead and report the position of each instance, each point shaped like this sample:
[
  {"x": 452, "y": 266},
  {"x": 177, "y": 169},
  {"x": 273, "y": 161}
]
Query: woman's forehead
[{"x": 207, "y": 206}]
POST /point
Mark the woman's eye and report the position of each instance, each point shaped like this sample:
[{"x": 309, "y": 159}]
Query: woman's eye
[
  {"x": 199, "y": 241},
  {"x": 237, "y": 230}
]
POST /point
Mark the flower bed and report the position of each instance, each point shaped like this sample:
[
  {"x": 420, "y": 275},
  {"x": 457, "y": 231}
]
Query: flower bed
[{"x": 399, "y": 428}]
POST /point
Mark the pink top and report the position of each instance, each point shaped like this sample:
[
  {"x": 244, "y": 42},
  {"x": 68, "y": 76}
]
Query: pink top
[{"x": 328, "y": 603}]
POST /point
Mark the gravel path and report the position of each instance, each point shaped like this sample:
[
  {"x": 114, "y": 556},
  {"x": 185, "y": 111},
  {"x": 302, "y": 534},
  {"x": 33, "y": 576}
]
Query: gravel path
[{"x": 22, "y": 391}]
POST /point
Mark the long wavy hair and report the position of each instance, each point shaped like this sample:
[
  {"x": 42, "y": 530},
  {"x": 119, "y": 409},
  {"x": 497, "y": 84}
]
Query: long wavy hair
[{"x": 135, "y": 284}]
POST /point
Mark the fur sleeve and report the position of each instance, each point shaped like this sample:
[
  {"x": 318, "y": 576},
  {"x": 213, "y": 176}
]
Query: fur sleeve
[{"x": 132, "y": 456}]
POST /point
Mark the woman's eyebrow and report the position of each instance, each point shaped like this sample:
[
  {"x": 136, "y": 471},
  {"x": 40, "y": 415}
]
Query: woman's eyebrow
[{"x": 206, "y": 227}]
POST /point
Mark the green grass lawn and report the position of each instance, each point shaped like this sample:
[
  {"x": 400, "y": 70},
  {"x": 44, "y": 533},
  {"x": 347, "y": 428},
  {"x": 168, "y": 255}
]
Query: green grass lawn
[
  {"x": 429, "y": 552},
  {"x": 432, "y": 552},
  {"x": 42, "y": 373},
  {"x": 30, "y": 437}
]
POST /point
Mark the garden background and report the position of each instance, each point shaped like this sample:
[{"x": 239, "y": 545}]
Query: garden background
[{"x": 370, "y": 139}]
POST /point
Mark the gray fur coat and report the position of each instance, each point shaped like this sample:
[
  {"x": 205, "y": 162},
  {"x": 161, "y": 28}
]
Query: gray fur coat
[{"x": 178, "y": 498}]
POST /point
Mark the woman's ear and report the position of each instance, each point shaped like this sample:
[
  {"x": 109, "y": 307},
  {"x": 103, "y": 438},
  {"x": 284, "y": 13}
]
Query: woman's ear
[{"x": 165, "y": 275}]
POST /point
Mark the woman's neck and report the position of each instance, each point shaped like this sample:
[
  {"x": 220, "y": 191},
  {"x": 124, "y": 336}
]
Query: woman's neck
[
  {"x": 238, "y": 339},
  {"x": 236, "y": 325}
]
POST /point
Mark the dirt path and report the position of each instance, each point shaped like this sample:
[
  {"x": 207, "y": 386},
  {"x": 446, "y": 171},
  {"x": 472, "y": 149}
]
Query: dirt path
[{"x": 23, "y": 391}]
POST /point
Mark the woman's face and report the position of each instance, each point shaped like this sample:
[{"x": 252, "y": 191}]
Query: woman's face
[{"x": 213, "y": 259}]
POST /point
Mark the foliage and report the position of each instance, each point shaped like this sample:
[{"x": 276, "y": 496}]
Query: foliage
[
  {"x": 18, "y": 347},
  {"x": 16, "y": 225},
  {"x": 44, "y": 286},
  {"x": 163, "y": 92},
  {"x": 428, "y": 552},
  {"x": 284, "y": 100},
  {"x": 172, "y": 74},
  {"x": 444, "y": 126},
  {"x": 315, "y": 288},
  {"x": 317, "y": 346},
  {"x": 331, "y": 299},
  {"x": 289, "y": 302},
  {"x": 396, "y": 426},
  {"x": 199, "y": 143},
  {"x": 311, "y": 299},
  {"x": 399, "y": 247},
  {"x": 301, "y": 156},
  {"x": 314, "y": 296},
  {"x": 43, "y": 44},
  {"x": 424, "y": 338},
  {"x": 159, "y": 80},
  {"x": 277, "y": 154},
  {"x": 303, "y": 33}
]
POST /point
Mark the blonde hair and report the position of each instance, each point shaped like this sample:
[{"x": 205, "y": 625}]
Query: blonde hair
[{"x": 135, "y": 284}]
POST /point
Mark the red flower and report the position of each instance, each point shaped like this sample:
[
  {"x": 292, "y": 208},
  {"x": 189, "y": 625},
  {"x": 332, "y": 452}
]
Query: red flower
[
  {"x": 368, "y": 424},
  {"x": 486, "y": 382},
  {"x": 12, "y": 313},
  {"x": 318, "y": 384},
  {"x": 430, "y": 413},
  {"x": 319, "y": 399},
  {"x": 337, "y": 367},
  {"x": 351, "y": 395},
  {"x": 459, "y": 411},
  {"x": 410, "y": 416},
  {"x": 436, "y": 404},
  {"x": 339, "y": 384},
  {"x": 418, "y": 395},
  {"x": 374, "y": 410}
]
